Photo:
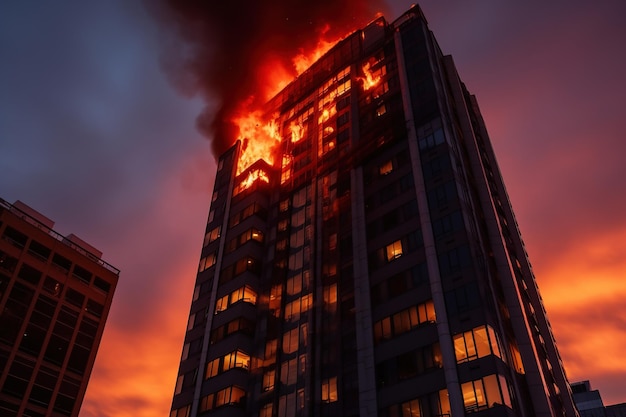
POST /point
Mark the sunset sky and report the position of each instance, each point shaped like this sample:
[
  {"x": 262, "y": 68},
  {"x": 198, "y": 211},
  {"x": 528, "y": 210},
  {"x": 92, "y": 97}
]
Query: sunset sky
[{"x": 94, "y": 136}]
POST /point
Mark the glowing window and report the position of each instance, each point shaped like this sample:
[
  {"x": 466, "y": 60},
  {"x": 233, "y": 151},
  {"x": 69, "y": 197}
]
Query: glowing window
[
  {"x": 294, "y": 285},
  {"x": 330, "y": 295},
  {"x": 290, "y": 340},
  {"x": 289, "y": 372},
  {"x": 236, "y": 359},
  {"x": 222, "y": 304},
  {"x": 329, "y": 390},
  {"x": 394, "y": 250},
  {"x": 268, "y": 380},
  {"x": 411, "y": 409},
  {"x": 180, "y": 412},
  {"x": 476, "y": 343},
  {"x": 270, "y": 348},
  {"x": 206, "y": 403},
  {"x": 212, "y": 235},
  {"x": 207, "y": 262},
  {"x": 380, "y": 110},
  {"x": 228, "y": 396},
  {"x": 212, "y": 368},
  {"x": 386, "y": 168},
  {"x": 484, "y": 393}
]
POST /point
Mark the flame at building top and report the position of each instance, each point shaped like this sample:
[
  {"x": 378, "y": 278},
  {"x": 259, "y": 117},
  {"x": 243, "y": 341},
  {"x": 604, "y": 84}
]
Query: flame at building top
[{"x": 240, "y": 56}]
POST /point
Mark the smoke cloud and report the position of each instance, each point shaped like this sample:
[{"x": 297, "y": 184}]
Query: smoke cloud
[{"x": 230, "y": 48}]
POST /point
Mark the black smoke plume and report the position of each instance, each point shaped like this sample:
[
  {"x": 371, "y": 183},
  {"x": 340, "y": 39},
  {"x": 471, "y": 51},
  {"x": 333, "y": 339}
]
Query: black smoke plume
[{"x": 226, "y": 43}]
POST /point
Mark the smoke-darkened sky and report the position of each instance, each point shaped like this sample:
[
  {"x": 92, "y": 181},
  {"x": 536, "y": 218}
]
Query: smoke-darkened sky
[{"x": 95, "y": 136}]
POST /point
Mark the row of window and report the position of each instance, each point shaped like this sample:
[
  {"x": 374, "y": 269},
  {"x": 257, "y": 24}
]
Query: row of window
[
  {"x": 250, "y": 234},
  {"x": 251, "y": 210},
  {"x": 434, "y": 404},
  {"x": 43, "y": 253},
  {"x": 300, "y": 305},
  {"x": 236, "y": 359},
  {"x": 409, "y": 365},
  {"x": 392, "y": 219},
  {"x": 33, "y": 276},
  {"x": 476, "y": 343},
  {"x": 485, "y": 392},
  {"x": 239, "y": 324},
  {"x": 245, "y": 294},
  {"x": 403, "y": 321},
  {"x": 228, "y": 396},
  {"x": 399, "y": 284}
]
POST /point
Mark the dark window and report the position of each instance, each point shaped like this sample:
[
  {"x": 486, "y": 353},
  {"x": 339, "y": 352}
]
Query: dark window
[
  {"x": 397, "y": 285},
  {"x": 87, "y": 333},
  {"x": 16, "y": 238},
  {"x": 343, "y": 103},
  {"x": 32, "y": 339},
  {"x": 67, "y": 316},
  {"x": 64, "y": 404},
  {"x": 82, "y": 274},
  {"x": 343, "y": 119},
  {"x": 46, "y": 377},
  {"x": 57, "y": 348},
  {"x": 101, "y": 284},
  {"x": 53, "y": 286},
  {"x": 343, "y": 136},
  {"x": 40, "y": 396},
  {"x": 39, "y": 250},
  {"x": 70, "y": 387},
  {"x": 78, "y": 359},
  {"x": 94, "y": 308},
  {"x": 62, "y": 262},
  {"x": 7, "y": 262},
  {"x": 29, "y": 274},
  {"x": 74, "y": 297},
  {"x": 31, "y": 413},
  {"x": 15, "y": 387}
]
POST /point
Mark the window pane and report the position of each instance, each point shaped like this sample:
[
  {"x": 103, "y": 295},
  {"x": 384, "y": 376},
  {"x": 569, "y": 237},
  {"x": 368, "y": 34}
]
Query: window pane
[
  {"x": 482, "y": 342},
  {"x": 492, "y": 390}
]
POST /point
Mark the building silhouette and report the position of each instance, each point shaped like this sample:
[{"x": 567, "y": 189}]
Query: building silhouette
[
  {"x": 589, "y": 402},
  {"x": 55, "y": 294},
  {"x": 376, "y": 268}
]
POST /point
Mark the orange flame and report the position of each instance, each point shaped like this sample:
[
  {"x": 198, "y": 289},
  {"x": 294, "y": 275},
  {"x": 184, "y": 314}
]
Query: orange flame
[
  {"x": 260, "y": 138},
  {"x": 253, "y": 176},
  {"x": 327, "y": 113},
  {"x": 370, "y": 80},
  {"x": 297, "y": 131},
  {"x": 302, "y": 62}
]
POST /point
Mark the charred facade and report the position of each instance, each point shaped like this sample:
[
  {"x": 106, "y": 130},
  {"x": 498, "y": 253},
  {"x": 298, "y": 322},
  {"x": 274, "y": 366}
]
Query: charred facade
[{"x": 377, "y": 268}]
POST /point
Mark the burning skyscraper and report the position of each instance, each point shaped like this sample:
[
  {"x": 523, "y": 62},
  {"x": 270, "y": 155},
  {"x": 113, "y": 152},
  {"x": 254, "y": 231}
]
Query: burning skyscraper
[{"x": 361, "y": 257}]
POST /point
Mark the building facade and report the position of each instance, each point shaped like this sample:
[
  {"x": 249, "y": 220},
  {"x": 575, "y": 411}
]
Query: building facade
[
  {"x": 55, "y": 294},
  {"x": 376, "y": 268}
]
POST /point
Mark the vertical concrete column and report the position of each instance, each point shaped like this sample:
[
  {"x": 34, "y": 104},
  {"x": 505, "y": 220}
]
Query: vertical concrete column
[
  {"x": 443, "y": 329},
  {"x": 368, "y": 406}
]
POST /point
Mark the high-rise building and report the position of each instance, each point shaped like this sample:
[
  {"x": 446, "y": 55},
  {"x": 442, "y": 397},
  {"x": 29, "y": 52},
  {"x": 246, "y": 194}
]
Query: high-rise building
[
  {"x": 376, "y": 267},
  {"x": 55, "y": 294},
  {"x": 588, "y": 402}
]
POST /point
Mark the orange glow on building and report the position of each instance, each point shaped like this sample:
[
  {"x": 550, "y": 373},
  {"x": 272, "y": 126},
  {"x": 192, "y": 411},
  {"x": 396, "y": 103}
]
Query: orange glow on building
[
  {"x": 259, "y": 138},
  {"x": 302, "y": 61},
  {"x": 253, "y": 176},
  {"x": 370, "y": 79},
  {"x": 297, "y": 131}
]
